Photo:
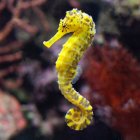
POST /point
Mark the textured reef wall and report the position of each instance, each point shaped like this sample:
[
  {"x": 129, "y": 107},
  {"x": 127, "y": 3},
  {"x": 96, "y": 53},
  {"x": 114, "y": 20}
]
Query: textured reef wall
[{"x": 115, "y": 87}]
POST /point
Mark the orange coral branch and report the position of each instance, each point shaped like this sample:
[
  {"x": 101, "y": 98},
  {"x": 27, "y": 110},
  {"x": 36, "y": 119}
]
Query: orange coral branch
[
  {"x": 16, "y": 11},
  {"x": 31, "y": 3},
  {"x": 42, "y": 18},
  {"x": 10, "y": 47},
  {"x": 11, "y": 57},
  {"x": 7, "y": 29},
  {"x": 24, "y": 25}
]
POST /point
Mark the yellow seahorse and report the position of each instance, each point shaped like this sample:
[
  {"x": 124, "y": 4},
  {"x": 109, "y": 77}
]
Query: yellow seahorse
[{"x": 83, "y": 29}]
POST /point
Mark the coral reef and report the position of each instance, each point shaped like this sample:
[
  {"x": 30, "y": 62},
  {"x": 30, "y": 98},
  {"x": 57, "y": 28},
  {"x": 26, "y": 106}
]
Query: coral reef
[
  {"x": 16, "y": 18},
  {"x": 126, "y": 14},
  {"x": 109, "y": 79},
  {"x": 121, "y": 18},
  {"x": 11, "y": 118},
  {"x": 15, "y": 9},
  {"x": 127, "y": 8},
  {"x": 115, "y": 85},
  {"x": 20, "y": 21}
]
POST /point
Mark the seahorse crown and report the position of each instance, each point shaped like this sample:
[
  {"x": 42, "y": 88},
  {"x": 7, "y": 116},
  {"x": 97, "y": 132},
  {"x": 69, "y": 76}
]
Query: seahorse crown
[{"x": 76, "y": 20}]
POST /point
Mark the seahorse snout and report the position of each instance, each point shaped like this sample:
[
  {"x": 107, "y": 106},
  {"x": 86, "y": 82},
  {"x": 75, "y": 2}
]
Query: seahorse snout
[{"x": 55, "y": 38}]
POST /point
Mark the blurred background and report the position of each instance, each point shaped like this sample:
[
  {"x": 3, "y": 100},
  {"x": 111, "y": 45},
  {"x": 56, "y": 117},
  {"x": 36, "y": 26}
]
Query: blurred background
[{"x": 31, "y": 105}]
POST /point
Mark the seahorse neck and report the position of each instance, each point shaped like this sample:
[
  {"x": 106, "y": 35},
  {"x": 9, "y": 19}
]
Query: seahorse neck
[
  {"x": 84, "y": 37},
  {"x": 80, "y": 34}
]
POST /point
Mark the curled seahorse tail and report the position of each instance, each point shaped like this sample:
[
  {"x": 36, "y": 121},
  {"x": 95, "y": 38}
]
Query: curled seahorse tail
[
  {"x": 77, "y": 119},
  {"x": 81, "y": 116}
]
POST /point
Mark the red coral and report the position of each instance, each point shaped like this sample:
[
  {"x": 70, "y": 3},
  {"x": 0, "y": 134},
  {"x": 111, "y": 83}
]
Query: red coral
[{"x": 115, "y": 76}]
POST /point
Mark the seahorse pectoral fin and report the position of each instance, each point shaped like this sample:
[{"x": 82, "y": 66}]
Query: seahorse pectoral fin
[{"x": 55, "y": 38}]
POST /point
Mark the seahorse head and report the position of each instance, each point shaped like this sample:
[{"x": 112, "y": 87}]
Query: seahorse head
[{"x": 74, "y": 21}]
